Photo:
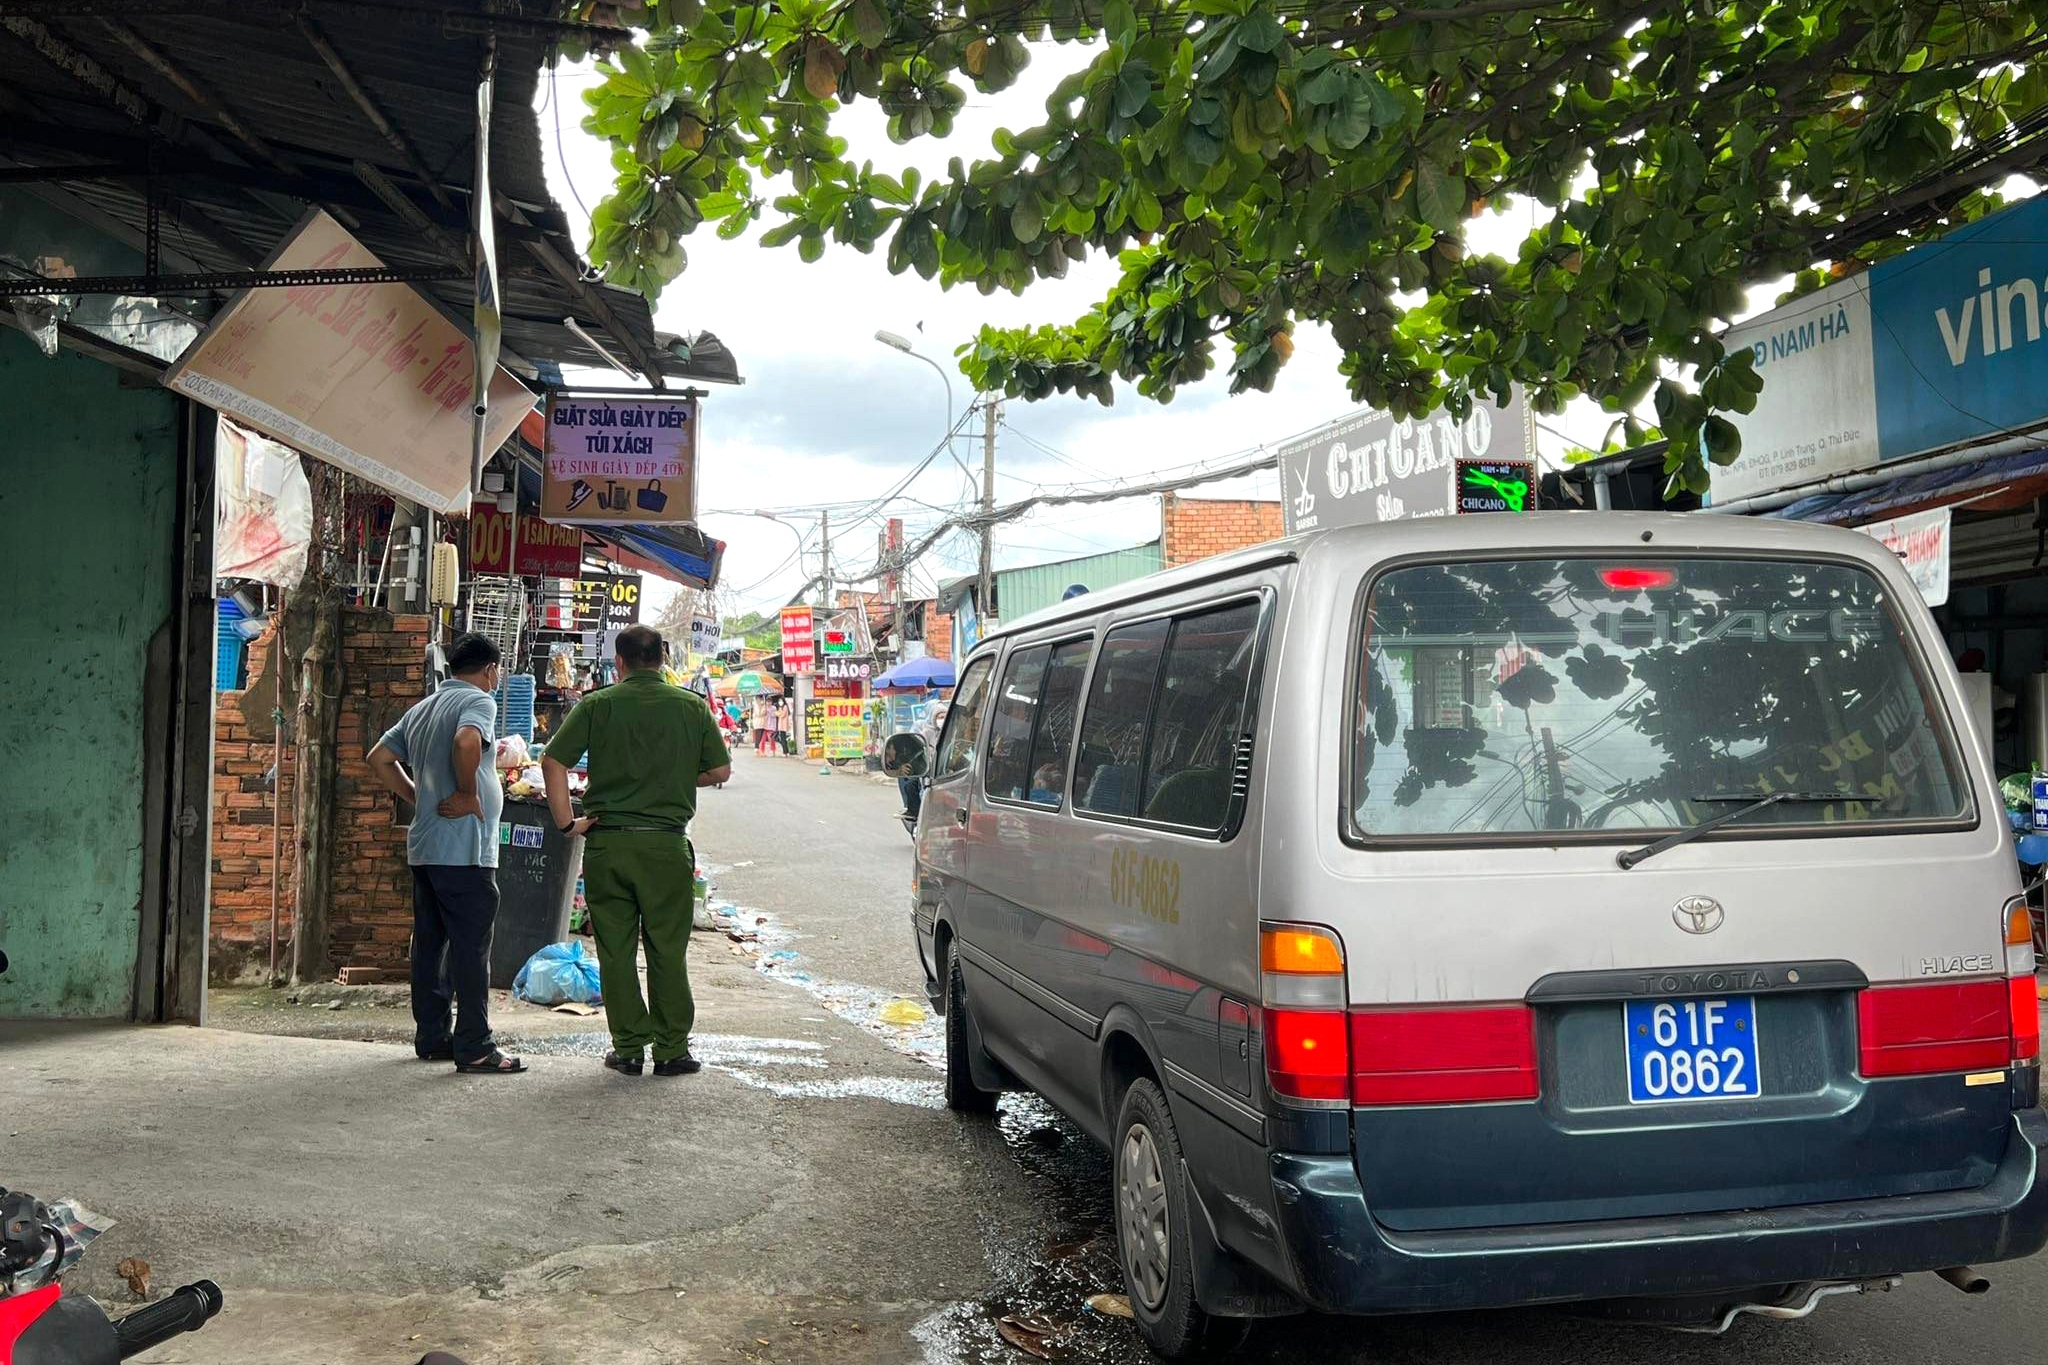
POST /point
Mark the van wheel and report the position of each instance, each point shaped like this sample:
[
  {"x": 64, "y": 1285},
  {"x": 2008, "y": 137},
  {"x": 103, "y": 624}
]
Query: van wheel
[
  {"x": 963, "y": 1096},
  {"x": 1152, "y": 1227}
]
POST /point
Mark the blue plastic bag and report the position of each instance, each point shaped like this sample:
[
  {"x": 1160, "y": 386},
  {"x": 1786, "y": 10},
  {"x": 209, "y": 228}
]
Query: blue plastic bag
[{"x": 558, "y": 974}]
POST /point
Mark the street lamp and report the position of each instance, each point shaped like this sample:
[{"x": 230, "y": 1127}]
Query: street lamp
[{"x": 902, "y": 343}]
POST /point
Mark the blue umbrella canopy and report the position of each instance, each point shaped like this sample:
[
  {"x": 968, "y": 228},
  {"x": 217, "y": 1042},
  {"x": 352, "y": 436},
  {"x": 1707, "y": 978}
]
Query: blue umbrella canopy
[{"x": 918, "y": 673}]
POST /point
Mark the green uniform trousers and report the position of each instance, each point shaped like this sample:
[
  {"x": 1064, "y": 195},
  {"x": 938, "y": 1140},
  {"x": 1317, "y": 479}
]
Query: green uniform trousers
[{"x": 641, "y": 888}]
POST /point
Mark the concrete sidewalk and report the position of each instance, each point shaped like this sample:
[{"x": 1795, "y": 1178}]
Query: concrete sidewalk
[{"x": 360, "y": 1206}]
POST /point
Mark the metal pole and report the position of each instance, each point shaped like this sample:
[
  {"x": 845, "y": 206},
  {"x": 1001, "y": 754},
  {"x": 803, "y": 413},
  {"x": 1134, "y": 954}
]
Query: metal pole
[
  {"x": 896, "y": 585},
  {"x": 825, "y": 560},
  {"x": 276, "y": 780},
  {"x": 986, "y": 591}
]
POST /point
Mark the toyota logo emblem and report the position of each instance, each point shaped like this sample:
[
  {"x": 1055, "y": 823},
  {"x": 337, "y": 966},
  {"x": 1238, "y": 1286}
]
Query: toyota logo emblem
[{"x": 1698, "y": 914}]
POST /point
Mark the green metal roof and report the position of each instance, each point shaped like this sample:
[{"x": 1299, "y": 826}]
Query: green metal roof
[{"x": 1019, "y": 592}]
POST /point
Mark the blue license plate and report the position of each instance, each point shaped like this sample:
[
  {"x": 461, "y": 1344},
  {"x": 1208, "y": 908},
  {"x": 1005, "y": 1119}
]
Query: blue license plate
[{"x": 1691, "y": 1050}]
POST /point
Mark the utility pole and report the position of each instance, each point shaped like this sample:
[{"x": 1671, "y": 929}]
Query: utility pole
[
  {"x": 990, "y": 408},
  {"x": 825, "y": 560},
  {"x": 893, "y": 557}
]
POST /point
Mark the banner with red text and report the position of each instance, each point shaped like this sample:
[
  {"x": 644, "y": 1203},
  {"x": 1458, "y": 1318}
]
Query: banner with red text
[
  {"x": 545, "y": 549},
  {"x": 1921, "y": 541},
  {"x": 369, "y": 377}
]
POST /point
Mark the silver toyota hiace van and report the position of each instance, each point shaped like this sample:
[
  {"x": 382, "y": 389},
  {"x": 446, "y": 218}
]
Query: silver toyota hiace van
[{"x": 1497, "y": 910}]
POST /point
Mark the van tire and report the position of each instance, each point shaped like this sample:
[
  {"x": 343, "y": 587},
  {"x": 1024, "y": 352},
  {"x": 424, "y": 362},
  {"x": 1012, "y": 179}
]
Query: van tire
[
  {"x": 963, "y": 1096},
  {"x": 1146, "y": 1183}
]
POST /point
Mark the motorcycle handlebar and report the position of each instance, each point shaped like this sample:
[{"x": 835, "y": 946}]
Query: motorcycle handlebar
[{"x": 186, "y": 1310}]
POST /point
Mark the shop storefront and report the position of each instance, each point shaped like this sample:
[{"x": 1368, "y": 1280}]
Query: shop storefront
[{"x": 1910, "y": 402}]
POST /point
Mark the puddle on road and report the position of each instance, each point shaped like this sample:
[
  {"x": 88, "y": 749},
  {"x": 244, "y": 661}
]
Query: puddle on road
[
  {"x": 766, "y": 941},
  {"x": 1043, "y": 1271}
]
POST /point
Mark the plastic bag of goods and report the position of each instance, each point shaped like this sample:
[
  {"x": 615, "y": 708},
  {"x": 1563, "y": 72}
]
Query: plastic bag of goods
[
  {"x": 560, "y": 973},
  {"x": 512, "y": 753}
]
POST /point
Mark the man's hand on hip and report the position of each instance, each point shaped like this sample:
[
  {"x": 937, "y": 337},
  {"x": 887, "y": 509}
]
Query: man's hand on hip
[{"x": 461, "y": 804}]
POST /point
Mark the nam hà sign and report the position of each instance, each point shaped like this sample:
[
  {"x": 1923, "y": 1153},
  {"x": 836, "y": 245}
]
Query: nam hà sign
[
  {"x": 620, "y": 461},
  {"x": 1372, "y": 467},
  {"x": 369, "y": 377},
  {"x": 1939, "y": 346}
]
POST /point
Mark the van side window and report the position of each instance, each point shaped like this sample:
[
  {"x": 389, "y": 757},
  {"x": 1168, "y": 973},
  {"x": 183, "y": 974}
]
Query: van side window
[
  {"x": 1192, "y": 746},
  {"x": 1060, "y": 699},
  {"x": 1009, "y": 733},
  {"x": 963, "y": 722},
  {"x": 1113, "y": 728}
]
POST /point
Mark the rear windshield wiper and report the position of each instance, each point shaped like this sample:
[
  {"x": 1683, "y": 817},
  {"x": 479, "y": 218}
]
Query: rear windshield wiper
[{"x": 1691, "y": 832}]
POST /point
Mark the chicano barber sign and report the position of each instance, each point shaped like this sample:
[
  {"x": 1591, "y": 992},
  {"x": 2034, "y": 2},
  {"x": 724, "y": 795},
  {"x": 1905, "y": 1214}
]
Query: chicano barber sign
[{"x": 1372, "y": 467}]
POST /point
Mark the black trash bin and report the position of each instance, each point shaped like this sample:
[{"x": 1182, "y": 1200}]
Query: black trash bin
[{"x": 537, "y": 870}]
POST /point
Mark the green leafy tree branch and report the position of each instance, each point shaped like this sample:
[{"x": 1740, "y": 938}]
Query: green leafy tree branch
[{"x": 1253, "y": 164}]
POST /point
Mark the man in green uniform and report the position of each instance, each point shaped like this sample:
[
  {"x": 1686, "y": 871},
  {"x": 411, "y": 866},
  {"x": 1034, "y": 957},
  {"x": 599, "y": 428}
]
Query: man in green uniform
[{"x": 651, "y": 746}]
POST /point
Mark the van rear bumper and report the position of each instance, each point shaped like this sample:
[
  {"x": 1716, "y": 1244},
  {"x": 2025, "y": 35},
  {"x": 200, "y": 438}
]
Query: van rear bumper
[{"x": 1345, "y": 1262}]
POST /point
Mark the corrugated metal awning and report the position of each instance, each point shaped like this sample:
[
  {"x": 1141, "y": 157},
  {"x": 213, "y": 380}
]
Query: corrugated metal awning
[{"x": 1996, "y": 484}]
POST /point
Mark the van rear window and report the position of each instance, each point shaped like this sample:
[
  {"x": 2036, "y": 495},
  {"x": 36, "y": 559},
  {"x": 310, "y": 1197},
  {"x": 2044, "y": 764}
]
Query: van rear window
[{"x": 1540, "y": 696}]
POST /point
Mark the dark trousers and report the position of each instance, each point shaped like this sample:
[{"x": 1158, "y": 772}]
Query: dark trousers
[
  {"x": 912, "y": 791},
  {"x": 452, "y": 912}
]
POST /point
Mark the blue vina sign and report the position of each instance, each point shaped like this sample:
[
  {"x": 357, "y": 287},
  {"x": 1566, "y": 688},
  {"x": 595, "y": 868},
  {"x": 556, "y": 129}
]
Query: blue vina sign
[{"x": 1939, "y": 346}]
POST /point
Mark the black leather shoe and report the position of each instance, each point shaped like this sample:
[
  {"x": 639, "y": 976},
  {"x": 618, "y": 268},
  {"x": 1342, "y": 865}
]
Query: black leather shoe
[
  {"x": 685, "y": 1065},
  {"x": 625, "y": 1066}
]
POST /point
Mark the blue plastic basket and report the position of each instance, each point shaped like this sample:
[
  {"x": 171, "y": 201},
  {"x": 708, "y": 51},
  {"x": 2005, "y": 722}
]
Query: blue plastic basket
[
  {"x": 229, "y": 648},
  {"x": 515, "y": 706}
]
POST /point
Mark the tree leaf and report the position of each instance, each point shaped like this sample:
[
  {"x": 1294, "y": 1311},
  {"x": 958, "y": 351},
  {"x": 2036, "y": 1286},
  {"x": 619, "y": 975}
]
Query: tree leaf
[
  {"x": 1441, "y": 196},
  {"x": 1027, "y": 221},
  {"x": 869, "y": 24}
]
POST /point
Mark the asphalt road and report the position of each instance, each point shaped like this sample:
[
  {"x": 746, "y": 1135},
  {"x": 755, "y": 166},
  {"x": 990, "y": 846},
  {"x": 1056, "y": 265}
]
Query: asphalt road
[
  {"x": 827, "y": 857},
  {"x": 804, "y": 1200}
]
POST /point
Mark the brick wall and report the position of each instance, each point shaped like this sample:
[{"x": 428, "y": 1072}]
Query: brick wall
[
  {"x": 938, "y": 633},
  {"x": 370, "y": 921},
  {"x": 242, "y": 800},
  {"x": 1195, "y": 528},
  {"x": 383, "y": 661}
]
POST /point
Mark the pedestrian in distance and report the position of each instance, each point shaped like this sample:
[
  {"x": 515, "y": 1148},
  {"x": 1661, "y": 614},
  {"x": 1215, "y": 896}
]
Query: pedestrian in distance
[
  {"x": 650, "y": 746},
  {"x": 440, "y": 758}
]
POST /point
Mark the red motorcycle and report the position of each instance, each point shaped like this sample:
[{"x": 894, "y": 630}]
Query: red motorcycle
[{"x": 39, "y": 1326}]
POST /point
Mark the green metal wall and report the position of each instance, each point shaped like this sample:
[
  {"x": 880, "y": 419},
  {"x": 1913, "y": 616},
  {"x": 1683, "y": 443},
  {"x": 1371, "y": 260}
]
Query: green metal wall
[
  {"x": 1019, "y": 592},
  {"x": 88, "y": 487}
]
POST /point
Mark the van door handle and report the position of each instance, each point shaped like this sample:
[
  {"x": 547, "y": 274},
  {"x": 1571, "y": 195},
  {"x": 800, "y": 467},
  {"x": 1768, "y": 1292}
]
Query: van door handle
[{"x": 960, "y": 817}]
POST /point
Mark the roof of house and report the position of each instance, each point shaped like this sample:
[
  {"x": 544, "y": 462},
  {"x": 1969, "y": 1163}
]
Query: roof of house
[{"x": 240, "y": 116}]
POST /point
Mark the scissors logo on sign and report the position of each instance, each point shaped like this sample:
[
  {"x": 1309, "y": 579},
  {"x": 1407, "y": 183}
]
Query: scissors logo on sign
[{"x": 1305, "y": 501}]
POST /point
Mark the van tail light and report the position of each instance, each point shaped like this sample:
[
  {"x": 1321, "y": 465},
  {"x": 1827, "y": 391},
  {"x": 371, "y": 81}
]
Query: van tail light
[
  {"x": 1448, "y": 1054},
  {"x": 1925, "y": 1030},
  {"x": 1308, "y": 1059},
  {"x": 2025, "y": 998},
  {"x": 1308, "y": 1053},
  {"x": 1301, "y": 966},
  {"x": 2026, "y": 1019},
  {"x": 2019, "y": 937}
]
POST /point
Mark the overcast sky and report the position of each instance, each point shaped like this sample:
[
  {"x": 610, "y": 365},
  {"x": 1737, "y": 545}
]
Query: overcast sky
[{"x": 828, "y": 414}]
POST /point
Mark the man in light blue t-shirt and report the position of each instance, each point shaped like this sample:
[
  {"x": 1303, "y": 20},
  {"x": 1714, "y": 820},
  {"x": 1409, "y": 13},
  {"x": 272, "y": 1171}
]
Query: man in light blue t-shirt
[{"x": 449, "y": 775}]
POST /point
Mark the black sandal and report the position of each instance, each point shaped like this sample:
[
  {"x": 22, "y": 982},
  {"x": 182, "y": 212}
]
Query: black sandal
[
  {"x": 444, "y": 1053},
  {"x": 492, "y": 1063}
]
